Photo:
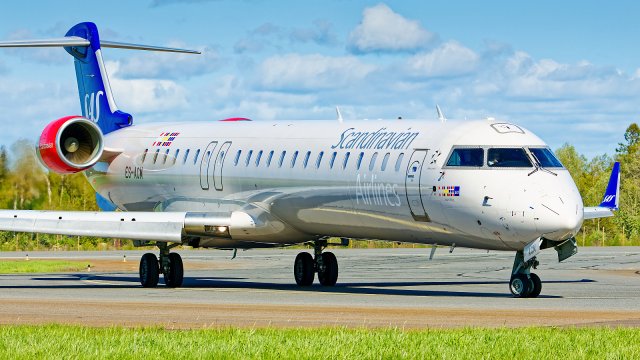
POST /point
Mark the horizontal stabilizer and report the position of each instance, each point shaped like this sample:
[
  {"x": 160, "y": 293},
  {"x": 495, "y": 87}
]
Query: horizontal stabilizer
[{"x": 68, "y": 41}]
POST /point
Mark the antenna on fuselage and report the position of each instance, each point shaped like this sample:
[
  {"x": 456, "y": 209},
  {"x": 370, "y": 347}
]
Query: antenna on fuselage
[
  {"x": 441, "y": 116},
  {"x": 340, "y": 120}
]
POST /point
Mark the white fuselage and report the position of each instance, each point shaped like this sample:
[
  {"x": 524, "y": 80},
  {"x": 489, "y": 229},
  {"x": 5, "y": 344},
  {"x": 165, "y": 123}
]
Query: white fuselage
[{"x": 385, "y": 180}]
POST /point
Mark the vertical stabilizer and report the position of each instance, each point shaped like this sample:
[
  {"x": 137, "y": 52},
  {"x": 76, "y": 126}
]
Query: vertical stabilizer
[{"x": 96, "y": 98}]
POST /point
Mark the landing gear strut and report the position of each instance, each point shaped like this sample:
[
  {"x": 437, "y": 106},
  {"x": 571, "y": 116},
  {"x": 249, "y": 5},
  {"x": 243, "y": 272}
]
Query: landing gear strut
[
  {"x": 324, "y": 263},
  {"x": 524, "y": 283},
  {"x": 170, "y": 265}
]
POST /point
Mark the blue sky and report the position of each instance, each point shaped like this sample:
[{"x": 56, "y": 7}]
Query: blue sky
[{"x": 569, "y": 71}]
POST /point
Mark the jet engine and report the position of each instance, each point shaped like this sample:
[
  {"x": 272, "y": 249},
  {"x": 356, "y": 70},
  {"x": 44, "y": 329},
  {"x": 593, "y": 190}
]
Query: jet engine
[{"x": 70, "y": 144}]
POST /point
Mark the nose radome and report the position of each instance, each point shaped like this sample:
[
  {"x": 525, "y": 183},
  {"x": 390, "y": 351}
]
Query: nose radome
[{"x": 560, "y": 216}]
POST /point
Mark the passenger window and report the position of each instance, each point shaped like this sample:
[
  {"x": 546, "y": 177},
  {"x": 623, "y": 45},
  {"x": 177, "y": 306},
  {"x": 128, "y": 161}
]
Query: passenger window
[
  {"x": 359, "y": 162},
  {"x": 306, "y": 159},
  {"x": 175, "y": 156},
  {"x": 155, "y": 156},
  {"x": 207, "y": 156},
  {"x": 269, "y": 158},
  {"x": 144, "y": 155},
  {"x": 384, "y": 161},
  {"x": 346, "y": 160},
  {"x": 249, "y": 154},
  {"x": 372, "y": 164},
  {"x": 195, "y": 158},
  {"x": 281, "y": 161},
  {"x": 466, "y": 157},
  {"x": 319, "y": 160},
  {"x": 545, "y": 157},
  {"x": 164, "y": 158},
  {"x": 332, "y": 160},
  {"x": 399, "y": 161},
  {"x": 258, "y": 158},
  {"x": 235, "y": 162},
  {"x": 186, "y": 155},
  {"x": 293, "y": 159},
  {"x": 508, "y": 157}
]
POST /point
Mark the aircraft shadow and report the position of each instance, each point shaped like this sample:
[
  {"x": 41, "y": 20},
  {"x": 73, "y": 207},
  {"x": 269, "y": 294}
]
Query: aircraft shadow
[{"x": 396, "y": 288}]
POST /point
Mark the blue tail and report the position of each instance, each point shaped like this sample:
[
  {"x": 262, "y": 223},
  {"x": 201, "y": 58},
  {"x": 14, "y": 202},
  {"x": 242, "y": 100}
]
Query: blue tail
[
  {"x": 610, "y": 199},
  {"x": 96, "y": 98}
]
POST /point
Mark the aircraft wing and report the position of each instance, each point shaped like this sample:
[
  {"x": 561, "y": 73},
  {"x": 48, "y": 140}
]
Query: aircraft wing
[
  {"x": 610, "y": 199},
  {"x": 150, "y": 226}
]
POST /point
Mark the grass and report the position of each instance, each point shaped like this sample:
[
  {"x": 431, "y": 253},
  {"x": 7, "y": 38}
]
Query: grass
[
  {"x": 76, "y": 342},
  {"x": 40, "y": 266}
]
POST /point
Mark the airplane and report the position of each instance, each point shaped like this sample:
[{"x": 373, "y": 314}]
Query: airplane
[{"x": 239, "y": 184}]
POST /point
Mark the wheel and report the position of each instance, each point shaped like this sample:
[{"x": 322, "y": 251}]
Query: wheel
[
  {"x": 303, "y": 269},
  {"x": 328, "y": 273},
  {"x": 149, "y": 270},
  {"x": 536, "y": 285},
  {"x": 176, "y": 271},
  {"x": 519, "y": 285}
]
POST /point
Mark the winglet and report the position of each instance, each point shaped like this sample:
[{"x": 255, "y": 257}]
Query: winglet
[
  {"x": 610, "y": 200},
  {"x": 611, "y": 195},
  {"x": 339, "y": 114}
]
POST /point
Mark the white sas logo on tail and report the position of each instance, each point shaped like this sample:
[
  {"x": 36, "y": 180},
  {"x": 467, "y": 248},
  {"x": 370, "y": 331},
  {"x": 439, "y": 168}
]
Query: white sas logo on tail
[
  {"x": 609, "y": 198},
  {"x": 92, "y": 105}
]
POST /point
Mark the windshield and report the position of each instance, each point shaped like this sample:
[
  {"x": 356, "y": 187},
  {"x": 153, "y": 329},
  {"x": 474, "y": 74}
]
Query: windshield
[
  {"x": 545, "y": 157},
  {"x": 508, "y": 157},
  {"x": 466, "y": 157}
]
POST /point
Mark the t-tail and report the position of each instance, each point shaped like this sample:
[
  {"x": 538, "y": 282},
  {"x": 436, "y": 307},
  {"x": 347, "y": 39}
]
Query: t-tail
[
  {"x": 610, "y": 200},
  {"x": 96, "y": 98}
]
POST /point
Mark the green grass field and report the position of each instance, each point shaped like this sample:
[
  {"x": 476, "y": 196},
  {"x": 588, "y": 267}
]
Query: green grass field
[
  {"x": 75, "y": 342},
  {"x": 40, "y": 266}
]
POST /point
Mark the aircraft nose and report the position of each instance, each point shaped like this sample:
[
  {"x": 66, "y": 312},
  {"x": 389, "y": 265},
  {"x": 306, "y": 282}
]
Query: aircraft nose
[{"x": 560, "y": 216}]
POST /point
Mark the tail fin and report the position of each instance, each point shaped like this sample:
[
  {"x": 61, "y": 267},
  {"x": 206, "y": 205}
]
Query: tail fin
[
  {"x": 610, "y": 200},
  {"x": 96, "y": 99}
]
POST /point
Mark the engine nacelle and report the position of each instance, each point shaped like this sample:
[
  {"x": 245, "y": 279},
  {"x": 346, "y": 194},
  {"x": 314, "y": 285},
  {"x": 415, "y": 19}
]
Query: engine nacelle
[{"x": 70, "y": 144}]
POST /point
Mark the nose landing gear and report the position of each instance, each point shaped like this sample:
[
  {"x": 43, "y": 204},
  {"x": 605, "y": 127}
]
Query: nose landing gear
[
  {"x": 170, "y": 265},
  {"x": 324, "y": 263},
  {"x": 524, "y": 283}
]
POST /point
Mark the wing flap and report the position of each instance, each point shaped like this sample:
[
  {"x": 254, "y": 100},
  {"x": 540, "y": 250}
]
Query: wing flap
[{"x": 151, "y": 226}]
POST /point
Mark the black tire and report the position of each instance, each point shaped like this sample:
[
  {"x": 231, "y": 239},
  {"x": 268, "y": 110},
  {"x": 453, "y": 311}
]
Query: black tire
[
  {"x": 176, "y": 271},
  {"x": 520, "y": 285},
  {"x": 536, "y": 285},
  {"x": 328, "y": 273},
  {"x": 303, "y": 269},
  {"x": 149, "y": 270}
]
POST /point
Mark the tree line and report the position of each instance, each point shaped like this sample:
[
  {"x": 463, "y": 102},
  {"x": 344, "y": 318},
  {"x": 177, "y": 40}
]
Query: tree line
[{"x": 26, "y": 185}]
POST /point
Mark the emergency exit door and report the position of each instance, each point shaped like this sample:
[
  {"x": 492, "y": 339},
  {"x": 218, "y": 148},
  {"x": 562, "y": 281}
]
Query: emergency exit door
[{"x": 413, "y": 188}]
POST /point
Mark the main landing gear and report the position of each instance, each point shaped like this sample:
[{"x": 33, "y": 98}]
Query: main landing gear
[
  {"x": 170, "y": 265},
  {"x": 523, "y": 283},
  {"x": 324, "y": 263}
]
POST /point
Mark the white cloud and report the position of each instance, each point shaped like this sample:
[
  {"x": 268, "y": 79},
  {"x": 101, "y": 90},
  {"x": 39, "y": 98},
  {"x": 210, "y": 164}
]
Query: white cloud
[
  {"x": 449, "y": 59},
  {"x": 311, "y": 72},
  {"x": 145, "y": 95},
  {"x": 170, "y": 65},
  {"x": 383, "y": 30}
]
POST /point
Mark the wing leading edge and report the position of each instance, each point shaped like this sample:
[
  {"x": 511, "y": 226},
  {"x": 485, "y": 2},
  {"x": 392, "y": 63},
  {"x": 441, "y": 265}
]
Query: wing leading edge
[{"x": 610, "y": 200}]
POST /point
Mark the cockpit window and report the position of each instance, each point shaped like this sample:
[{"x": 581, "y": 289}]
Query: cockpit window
[
  {"x": 466, "y": 157},
  {"x": 545, "y": 157},
  {"x": 508, "y": 157}
]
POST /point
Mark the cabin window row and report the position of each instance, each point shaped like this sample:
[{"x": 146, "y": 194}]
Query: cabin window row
[
  {"x": 166, "y": 157},
  {"x": 308, "y": 160}
]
